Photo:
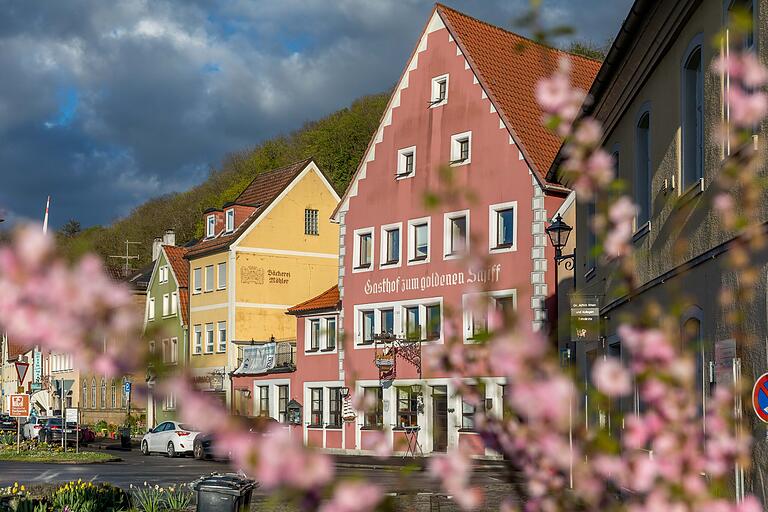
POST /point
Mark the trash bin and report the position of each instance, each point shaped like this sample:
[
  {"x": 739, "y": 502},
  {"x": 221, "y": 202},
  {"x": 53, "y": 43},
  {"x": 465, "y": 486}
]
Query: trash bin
[
  {"x": 223, "y": 493},
  {"x": 125, "y": 438}
]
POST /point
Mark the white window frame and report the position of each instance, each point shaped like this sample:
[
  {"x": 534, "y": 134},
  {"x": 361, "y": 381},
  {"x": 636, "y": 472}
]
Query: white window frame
[
  {"x": 221, "y": 348},
  {"x": 210, "y": 226},
  {"x": 209, "y": 278},
  {"x": 322, "y": 342},
  {"x": 221, "y": 284},
  {"x": 447, "y": 218},
  {"x": 456, "y": 149},
  {"x": 435, "y": 91},
  {"x": 174, "y": 303},
  {"x": 197, "y": 278},
  {"x": 398, "y": 321},
  {"x": 356, "y": 250},
  {"x": 210, "y": 338},
  {"x": 385, "y": 240},
  {"x": 163, "y": 278},
  {"x": 170, "y": 401},
  {"x": 198, "y": 340},
  {"x": 166, "y": 304},
  {"x": 402, "y": 155},
  {"x": 151, "y": 308},
  {"x": 229, "y": 220},
  {"x": 493, "y": 227},
  {"x": 491, "y": 296},
  {"x": 174, "y": 351},
  {"x": 412, "y": 223},
  {"x": 274, "y": 395}
]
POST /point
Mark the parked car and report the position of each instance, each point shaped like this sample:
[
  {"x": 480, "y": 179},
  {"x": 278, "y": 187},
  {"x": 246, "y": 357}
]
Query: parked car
[
  {"x": 205, "y": 443},
  {"x": 53, "y": 431},
  {"x": 170, "y": 437},
  {"x": 7, "y": 424},
  {"x": 32, "y": 427}
]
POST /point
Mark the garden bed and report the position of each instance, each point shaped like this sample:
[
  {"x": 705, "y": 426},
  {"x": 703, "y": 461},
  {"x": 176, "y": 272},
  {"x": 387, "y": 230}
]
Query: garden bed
[{"x": 60, "y": 457}]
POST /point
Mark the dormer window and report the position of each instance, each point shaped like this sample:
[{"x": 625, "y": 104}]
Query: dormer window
[
  {"x": 461, "y": 148},
  {"x": 230, "y": 220},
  {"x": 439, "y": 91},
  {"x": 210, "y": 226},
  {"x": 406, "y": 162}
]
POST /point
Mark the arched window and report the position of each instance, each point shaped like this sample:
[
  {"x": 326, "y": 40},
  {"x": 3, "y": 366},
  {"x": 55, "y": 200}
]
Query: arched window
[
  {"x": 84, "y": 394},
  {"x": 692, "y": 116},
  {"x": 643, "y": 169},
  {"x": 93, "y": 393},
  {"x": 114, "y": 394},
  {"x": 103, "y": 393}
]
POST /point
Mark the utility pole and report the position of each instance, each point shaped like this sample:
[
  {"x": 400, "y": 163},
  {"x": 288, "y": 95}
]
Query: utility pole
[{"x": 127, "y": 257}]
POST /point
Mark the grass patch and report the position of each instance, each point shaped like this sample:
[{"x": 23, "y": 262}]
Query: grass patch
[{"x": 10, "y": 455}]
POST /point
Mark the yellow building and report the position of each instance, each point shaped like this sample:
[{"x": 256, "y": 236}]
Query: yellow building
[{"x": 270, "y": 248}]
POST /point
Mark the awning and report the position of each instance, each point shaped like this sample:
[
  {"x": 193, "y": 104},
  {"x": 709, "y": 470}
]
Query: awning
[{"x": 257, "y": 359}]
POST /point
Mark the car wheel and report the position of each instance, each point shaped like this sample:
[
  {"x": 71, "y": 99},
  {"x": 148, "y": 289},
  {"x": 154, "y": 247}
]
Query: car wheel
[
  {"x": 171, "y": 450},
  {"x": 197, "y": 451},
  {"x": 144, "y": 448}
]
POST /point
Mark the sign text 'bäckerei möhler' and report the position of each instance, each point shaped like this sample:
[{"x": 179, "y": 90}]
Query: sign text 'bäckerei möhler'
[{"x": 433, "y": 280}]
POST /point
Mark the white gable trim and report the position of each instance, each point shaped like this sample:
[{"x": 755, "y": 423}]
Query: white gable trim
[{"x": 311, "y": 167}]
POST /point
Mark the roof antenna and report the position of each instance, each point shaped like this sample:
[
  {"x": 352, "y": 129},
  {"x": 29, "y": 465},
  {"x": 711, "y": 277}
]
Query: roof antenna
[
  {"x": 127, "y": 257},
  {"x": 45, "y": 219}
]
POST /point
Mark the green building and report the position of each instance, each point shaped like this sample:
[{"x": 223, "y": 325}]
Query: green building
[{"x": 167, "y": 319}]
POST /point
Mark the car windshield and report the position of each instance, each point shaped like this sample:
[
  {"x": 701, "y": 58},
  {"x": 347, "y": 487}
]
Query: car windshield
[{"x": 54, "y": 421}]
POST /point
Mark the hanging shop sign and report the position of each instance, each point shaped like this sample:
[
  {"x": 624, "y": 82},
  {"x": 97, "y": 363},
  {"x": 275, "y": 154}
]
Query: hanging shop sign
[
  {"x": 760, "y": 397},
  {"x": 585, "y": 318}
]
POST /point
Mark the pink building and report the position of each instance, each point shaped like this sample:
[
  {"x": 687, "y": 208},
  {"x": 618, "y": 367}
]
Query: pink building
[{"x": 464, "y": 106}]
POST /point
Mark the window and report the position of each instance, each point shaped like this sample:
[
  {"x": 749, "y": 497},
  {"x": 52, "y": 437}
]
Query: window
[
  {"x": 197, "y": 277},
  {"x": 209, "y": 278},
  {"x": 103, "y": 400},
  {"x": 198, "y": 339},
  {"x": 282, "y": 403},
  {"x": 263, "y": 400},
  {"x": 221, "y": 269},
  {"x": 230, "y": 220},
  {"x": 439, "y": 91},
  {"x": 151, "y": 308},
  {"x": 374, "y": 417},
  {"x": 208, "y": 338},
  {"x": 388, "y": 321},
  {"x": 367, "y": 324},
  {"x": 165, "y": 350},
  {"x": 210, "y": 226},
  {"x": 151, "y": 347},
  {"x": 166, "y": 304},
  {"x": 461, "y": 148},
  {"x": 330, "y": 334},
  {"x": 744, "y": 9},
  {"x": 412, "y": 325},
  {"x": 334, "y": 407},
  {"x": 84, "y": 394},
  {"x": 433, "y": 322},
  {"x": 502, "y": 227},
  {"x": 692, "y": 119},
  {"x": 506, "y": 305},
  {"x": 455, "y": 234},
  {"x": 364, "y": 250},
  {"x": 173, "y": 357},
  {"x": 468, "y": 409},
  {"x": 407, "y": 408},
  {"x": 114, "y": 394},
  {"x": 418, "y": 240},
  {"x": 170, "y": 401},
  {"x": 311, "y": 226},
  {"x": 316, "y": 410},
  {"x": 174, "y": 303},
  {"x": 222, "y": 328},
  {"x": 163, "y": 277},
  {"x": 643, "y": 171},
  {"x": 314, "y": 335},
  {"x": 93, "y": 393},
  {"x": 406, "y": 161}
]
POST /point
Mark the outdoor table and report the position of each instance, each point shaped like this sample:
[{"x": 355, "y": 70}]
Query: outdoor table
[{"x": 412, "y": 436}]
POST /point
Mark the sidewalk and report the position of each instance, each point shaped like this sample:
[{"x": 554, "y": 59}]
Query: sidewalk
[{"x": 398, "y": 462}]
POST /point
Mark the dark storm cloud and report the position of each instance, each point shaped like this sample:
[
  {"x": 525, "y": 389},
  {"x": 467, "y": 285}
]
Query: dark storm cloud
[{"x": 105, "y": 104}]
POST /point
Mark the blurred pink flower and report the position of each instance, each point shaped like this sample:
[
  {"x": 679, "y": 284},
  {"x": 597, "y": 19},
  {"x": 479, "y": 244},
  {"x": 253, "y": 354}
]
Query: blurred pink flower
[
  {"x": 611, "y": 378},
  {"x": 351, "y": 496}
]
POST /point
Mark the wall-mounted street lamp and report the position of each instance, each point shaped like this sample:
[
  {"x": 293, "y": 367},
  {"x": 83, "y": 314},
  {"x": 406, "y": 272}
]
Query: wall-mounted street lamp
[{"x": 559, "y": 232}]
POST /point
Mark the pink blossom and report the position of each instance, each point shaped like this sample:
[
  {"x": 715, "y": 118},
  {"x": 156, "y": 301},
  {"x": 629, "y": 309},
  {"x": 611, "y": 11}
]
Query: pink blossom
[
  {"x": 746, "y": 109},
  {"x": 351, "y": 496},
  {"x": 753, "y": 71},
  {"x": 611, "y": 377}
]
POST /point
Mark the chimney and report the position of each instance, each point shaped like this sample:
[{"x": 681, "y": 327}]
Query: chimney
[
  {"x": 169, "y": 237},
  {"x": 156, "y": 243}
]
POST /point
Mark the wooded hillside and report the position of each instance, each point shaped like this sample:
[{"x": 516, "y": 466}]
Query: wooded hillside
[{"x": 337, "y": 143}]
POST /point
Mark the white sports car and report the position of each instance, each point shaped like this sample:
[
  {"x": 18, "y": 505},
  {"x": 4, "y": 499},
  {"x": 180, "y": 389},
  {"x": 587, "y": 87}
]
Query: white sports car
[{"x": 171, "y": 438}]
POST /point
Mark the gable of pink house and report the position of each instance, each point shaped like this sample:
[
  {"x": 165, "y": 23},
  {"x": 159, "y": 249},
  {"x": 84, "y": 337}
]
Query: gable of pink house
[{"x": 406, "y": 268}]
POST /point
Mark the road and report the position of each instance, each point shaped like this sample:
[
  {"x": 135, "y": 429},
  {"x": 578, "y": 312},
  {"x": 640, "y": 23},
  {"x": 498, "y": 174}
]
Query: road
[{"x": 156, "y": 469}]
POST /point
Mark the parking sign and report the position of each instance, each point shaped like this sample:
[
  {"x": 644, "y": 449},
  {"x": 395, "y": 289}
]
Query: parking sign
[{"x": 127, "y": 387}]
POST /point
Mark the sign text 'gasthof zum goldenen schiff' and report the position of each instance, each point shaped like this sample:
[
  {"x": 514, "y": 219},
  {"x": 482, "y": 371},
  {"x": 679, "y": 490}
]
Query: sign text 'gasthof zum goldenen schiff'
[{"x": 400, "y": 284}]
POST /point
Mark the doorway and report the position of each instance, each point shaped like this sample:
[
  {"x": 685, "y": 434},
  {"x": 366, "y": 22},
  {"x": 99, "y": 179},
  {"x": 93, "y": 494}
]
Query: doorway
[{"x": 439, "y": 418}]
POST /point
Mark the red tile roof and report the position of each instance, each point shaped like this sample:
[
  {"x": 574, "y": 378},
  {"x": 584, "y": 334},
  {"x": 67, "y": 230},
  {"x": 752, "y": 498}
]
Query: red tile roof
[
  {"x": 175, "y": 256},
  {"x": 509, "y": 67},
  {"x": 264, "y": 189},
  {"x": 329, "y": 299}
]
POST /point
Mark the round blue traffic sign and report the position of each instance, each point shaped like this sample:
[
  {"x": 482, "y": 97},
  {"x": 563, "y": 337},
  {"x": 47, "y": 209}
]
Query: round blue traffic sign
[{"x": 760, "y": 397}]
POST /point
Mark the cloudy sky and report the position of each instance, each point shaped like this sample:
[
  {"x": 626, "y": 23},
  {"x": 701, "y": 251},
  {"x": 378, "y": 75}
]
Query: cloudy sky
[{"x": 104, "y": 104}]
